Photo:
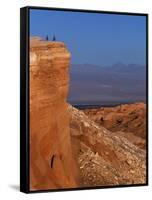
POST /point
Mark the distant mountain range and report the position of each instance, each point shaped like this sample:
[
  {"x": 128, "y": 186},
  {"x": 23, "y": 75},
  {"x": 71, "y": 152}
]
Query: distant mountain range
[{"x": 118, "y": 83}]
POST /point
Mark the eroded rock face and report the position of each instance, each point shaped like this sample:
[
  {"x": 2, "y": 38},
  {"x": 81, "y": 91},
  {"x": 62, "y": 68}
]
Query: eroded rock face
[
  {"x": 69, "y": 148},
  {"x": 128, "y": 120},
  {"x": 51, "y": 162},
  {"x": 104, "y": 158}
]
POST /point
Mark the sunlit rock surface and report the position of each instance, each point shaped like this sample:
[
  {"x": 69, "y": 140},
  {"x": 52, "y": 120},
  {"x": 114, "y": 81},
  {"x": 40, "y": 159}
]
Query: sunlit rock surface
[
  {"x": 51, "y": 162},
  {"x": 104, "y": 158}
]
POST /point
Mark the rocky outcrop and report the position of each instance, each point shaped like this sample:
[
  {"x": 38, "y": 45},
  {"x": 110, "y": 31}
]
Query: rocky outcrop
[
  {"x": 51, "y": 162},
  {"x": 69, "y": 148},
  {"x": 128, "y": 120},
  {"x": 104, "y": 158}
]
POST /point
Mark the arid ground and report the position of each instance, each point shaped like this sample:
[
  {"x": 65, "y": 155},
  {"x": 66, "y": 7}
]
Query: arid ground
[
  {"x": 72, "y": 148},
  {"x": 110, "y": 144}
]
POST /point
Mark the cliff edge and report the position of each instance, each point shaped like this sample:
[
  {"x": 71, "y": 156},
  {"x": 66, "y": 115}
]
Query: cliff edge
[
  {"x": 70, "y": 148},
  {"x": 51, "y": 162}
]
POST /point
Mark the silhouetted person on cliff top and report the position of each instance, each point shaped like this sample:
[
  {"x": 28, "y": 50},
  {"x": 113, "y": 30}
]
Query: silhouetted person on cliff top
[
  {"x": 54, "y": 38},
  {"x": 47, "y": 38}
]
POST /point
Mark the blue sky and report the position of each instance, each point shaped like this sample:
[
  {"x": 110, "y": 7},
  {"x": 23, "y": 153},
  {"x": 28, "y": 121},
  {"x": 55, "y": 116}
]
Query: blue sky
[{"x": 101, "y": 39}]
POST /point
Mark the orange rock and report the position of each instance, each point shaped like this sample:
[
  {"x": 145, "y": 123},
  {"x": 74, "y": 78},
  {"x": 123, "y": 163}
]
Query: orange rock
[
  {"x": 127, "y": 118},
  {"x": 105, "y": 158},
  {"x": 51, "y": 162}
]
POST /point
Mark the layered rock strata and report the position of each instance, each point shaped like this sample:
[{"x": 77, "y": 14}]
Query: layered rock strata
[
  {"x": 104, "y": 158},
  {"x": 69, "y": 148},
  {"x": 127, "y": 120},
  {"x": 51, "y": 162}
]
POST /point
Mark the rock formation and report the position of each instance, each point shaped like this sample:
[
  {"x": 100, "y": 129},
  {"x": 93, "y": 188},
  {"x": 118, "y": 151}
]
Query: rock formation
[
  {"x": 51, "y": 162},
  {"x": 71, "y": 148},
  {"x": 104, "y": 158},
  {"x": 128, "y": 120}
]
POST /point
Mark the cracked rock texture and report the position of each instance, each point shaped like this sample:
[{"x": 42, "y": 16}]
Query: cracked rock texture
[
  {"x": 127, "y": 120},
  {"x": 104, "y": 158},
  {"x": 50, "y": 144},
  {"x": 70, "y": 148}
]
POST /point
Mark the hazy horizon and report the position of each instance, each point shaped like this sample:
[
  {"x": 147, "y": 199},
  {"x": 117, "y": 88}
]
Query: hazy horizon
[
  {"x": 108, "y": 53},
  {"x": 119, "y": 83}
]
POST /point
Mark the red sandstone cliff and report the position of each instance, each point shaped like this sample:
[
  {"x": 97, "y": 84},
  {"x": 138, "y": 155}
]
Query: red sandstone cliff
[
  {"x": 68, "y": 148},
  {"x": 51, "y": 162}
]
